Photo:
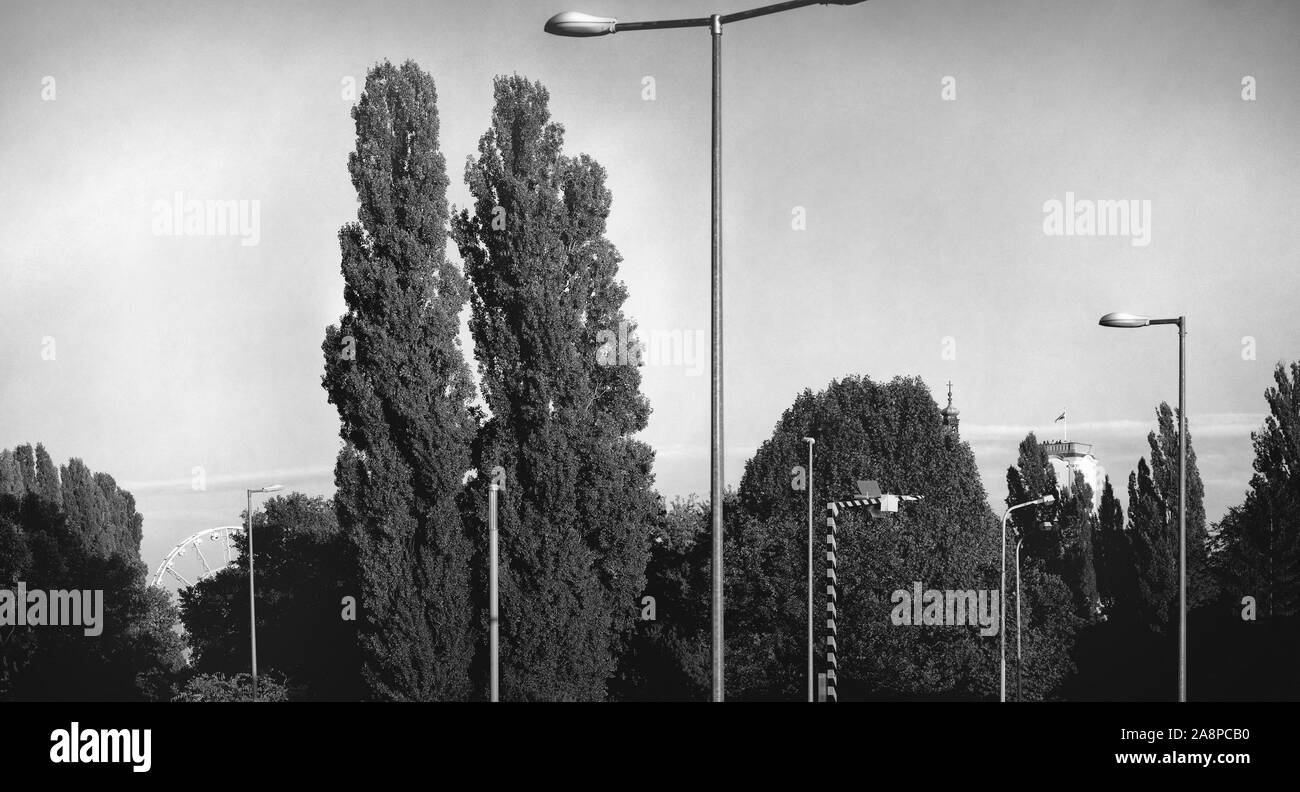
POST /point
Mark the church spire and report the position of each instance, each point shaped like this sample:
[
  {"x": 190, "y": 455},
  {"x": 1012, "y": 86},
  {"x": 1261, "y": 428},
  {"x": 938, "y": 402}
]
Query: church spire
[{"x": 950, "y": 414}]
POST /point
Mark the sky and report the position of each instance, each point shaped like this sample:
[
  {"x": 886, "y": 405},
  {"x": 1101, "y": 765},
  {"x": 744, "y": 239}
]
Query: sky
[{"x": 888, "y": 173}]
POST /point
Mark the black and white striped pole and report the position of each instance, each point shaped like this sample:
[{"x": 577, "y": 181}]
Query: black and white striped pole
[
  {"x": 831, "y": 596},
  {"x": 868, "y": 496},
  {"x": 810, "y": 441}
]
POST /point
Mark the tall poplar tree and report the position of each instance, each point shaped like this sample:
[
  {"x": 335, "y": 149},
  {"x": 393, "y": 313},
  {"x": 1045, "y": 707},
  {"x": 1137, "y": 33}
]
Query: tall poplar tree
[
  {"x": 1153, "y": 526},
  {"x": 11, "y": 478},
  {"x": 1116, "y": 576},
  {"x": 396, "y": 373},
  {"x": 1164, "y": 470},
  {"x": 1258, "y": 550},
  {"x": 1154, "y": 543},
  {"x": 577, "y": 505},
  {"x": 25, "y": 459},
  {"x": 47, "y": 477}
]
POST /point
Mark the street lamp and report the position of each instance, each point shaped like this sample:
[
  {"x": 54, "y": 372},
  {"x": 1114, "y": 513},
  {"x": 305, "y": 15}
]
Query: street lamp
[
  {"x": 810, "y": 441},
  {"x": 494, "y": 618},
  {"x": 877, "y": 504},
  {"x": 1020, "y": 539},
  {"x": 1126, "y": 320},
  {"x": 1002, "y": 592},
  {"x": 252, "y": 610},
  {"x": 576, "y": 24}
]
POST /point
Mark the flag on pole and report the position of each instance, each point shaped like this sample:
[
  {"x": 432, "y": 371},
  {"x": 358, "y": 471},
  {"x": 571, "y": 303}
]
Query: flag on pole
[{"x": 1060, "y": 417}]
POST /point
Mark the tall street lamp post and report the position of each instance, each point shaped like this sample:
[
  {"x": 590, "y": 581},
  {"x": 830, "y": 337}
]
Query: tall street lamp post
[
  {"x": 810, "y": 441},
  {"x": 252, "y": 609},
  {"x": 494, "y": 619},
  {"x": 1125, "y": 320},
  {"x": 1020, "y": 539},
  {"x": 573, "y": 23},
  {"x": 1002, "y": 592}
]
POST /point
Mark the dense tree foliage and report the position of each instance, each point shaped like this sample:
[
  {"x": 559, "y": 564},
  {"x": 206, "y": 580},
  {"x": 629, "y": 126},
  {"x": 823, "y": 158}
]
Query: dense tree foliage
[
  {"x": 1258, "y": 542},
  {"x": 1132, "y": 652},
  {"x": 577, "y": 505},
  {"x": 1059, "y": 534},
  {"x": 1057, "y": 577},
  {"x": 1244, "y": 643},
  {"x": 303, "y": 570},
  {"x": 79, "y": 531},
  {"x": 1116, "y": 573},
  {"x": 865, "y": 430},
  {"x": 396, "y": 373},
  {"x": 235, "y": 687},
  {"x": 1153, "y": 528},
  {"x": 668, "y": 658}
]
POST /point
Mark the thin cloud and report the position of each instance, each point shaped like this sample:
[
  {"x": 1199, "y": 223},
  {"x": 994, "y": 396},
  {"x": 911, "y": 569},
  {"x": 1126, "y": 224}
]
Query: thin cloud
[
  {"x": 1202, "y": 425},
  {"x": 226, "y": 480}
]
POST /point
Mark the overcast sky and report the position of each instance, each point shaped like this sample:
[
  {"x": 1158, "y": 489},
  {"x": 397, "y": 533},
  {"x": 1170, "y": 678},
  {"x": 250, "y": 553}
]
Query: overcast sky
[{"x": 924, "y": 218}]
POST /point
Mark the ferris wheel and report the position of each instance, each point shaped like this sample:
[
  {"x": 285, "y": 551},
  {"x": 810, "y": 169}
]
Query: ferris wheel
[{"x": 220, "y": 544}]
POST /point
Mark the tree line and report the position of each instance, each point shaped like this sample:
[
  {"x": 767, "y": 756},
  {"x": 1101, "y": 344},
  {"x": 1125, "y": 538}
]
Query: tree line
[
  {"x": 66, "y": 527},
  {"x": 381, "y": 591},
  {"x": 1099, "y": 584}
]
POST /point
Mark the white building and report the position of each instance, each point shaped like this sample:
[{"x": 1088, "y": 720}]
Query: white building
[{"x": 1067, "y": 457}]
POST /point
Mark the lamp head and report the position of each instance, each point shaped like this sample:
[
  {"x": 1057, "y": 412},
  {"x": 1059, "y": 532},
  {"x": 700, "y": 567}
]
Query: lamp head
[
  {"x": 888, "y": 505},
  {"x": 1124, "y": 320},
  {"x": 578, "y": 24}
]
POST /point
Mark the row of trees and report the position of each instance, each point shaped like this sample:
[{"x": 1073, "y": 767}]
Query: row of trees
[
  {"x": 1113, "y": 581},
  {"x": 1100, "y": 587},
  {"x": 381, "y": 592},
  {"x": 1122, "y": 572},
  {"x": 64, "y": 528},
  {"x": 581, "y": 539},
  {"x": 403, "y": 539},
  {"x": 553, "y": 426}
]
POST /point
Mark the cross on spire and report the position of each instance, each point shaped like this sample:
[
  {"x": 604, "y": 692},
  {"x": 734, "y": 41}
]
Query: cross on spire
[{"x": 950, "y": 414}]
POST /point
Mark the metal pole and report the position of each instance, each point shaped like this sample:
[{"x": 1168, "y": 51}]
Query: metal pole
[
  {"x": 1182, "y": 509},
  {"x": 493, "y": 616},
  {"x": 252, "y": 611},
  {"x": 810, "y": 442},
  {"x": 1019, "y": 542},
  {"x": 715, "y": 488},
  {"x": 1002, "y": 606}
]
